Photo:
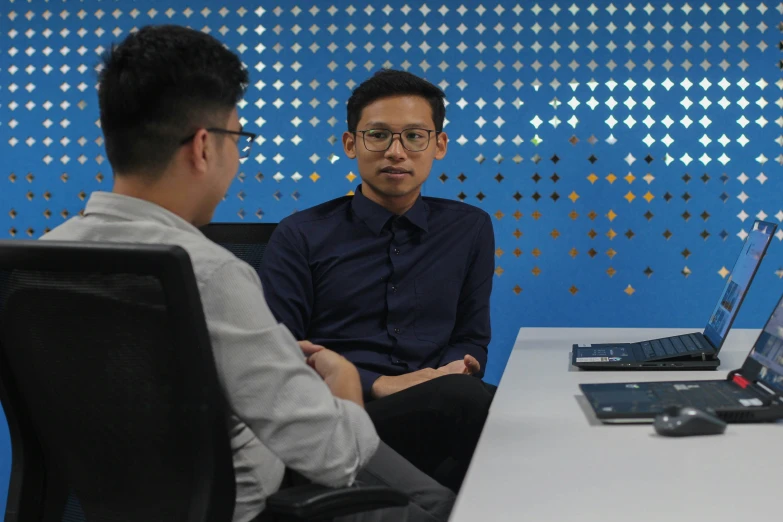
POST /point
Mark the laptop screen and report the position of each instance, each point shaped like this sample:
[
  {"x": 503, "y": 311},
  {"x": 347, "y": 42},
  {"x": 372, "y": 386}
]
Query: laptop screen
[
  {"x": 768, "y": 350},
  {"x": 738, "y": 282}
]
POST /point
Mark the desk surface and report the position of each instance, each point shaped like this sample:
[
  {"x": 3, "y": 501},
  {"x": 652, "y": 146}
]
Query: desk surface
[{"x": 543, "y": 455}]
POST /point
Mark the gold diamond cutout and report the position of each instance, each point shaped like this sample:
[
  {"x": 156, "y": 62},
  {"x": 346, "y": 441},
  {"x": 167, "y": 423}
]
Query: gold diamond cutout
[
  {"x": 350, "y": 193},
  {"x": 592, "y": 215},
  {"x": 648, "y": 197},
  {"x": 611, "y": 271},
  {"x": 517, "y": 252},
  {"x": 611, "y": 215},
  {"x": 573, "y": 197},
  {"x": 499, "y": 252},
  {"x": 630, "y": 178},
  {"x": 611, "y": 178},
  {"x": 573, "y": 252},
  {"x": 630, "y": 197},
  {"x": 611, "y": 234},
  {"x": 517, "y": 289},
  {"x": 536, "y": 252},
  {"x": 350, "y": 177},
  {"x": 518, "y": 233},
  {"x": 499, "y": 271},
  {"x": 555, "y": 234},
  {"x": 648, "y": 178},
  {"x": 536, "y": 215},
  {"x": 592, "y": 178},
  {"x": 723, "y": 272},
  {"x": 611, "y": 253},
  {"x": 536, "y": 271},
  {"x": 592, "y": 234},
  {"x": 573, "y": 290},
  {"x": 517, "y": 215},
  {"x": 499, "y": 215},
  {"x": 315, "y": 177},
  {"x": 573, "y": 214},
  {"x": 629, "y": 290}
]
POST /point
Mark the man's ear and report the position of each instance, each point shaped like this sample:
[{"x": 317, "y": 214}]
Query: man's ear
[
  {"x": 349, "y": 144},
  {"x": 199, "y": 151},
  {"x": 441, "y": 145}
]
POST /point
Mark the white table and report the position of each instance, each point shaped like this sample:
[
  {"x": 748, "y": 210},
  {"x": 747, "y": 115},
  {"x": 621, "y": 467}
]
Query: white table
[{"x": 543, "y": 456}]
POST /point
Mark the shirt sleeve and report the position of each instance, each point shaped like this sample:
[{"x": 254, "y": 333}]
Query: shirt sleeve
[
  {"x": 472, "y": 334},
  {"x": 271, "y": 388},
  {"x": 287, "y": 281}
]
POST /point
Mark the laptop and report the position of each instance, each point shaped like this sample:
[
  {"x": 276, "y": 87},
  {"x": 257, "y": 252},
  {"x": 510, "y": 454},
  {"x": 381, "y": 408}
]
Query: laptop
[
  {"x": 754, "y": 393},
  {"x": 694, "y": 351}
]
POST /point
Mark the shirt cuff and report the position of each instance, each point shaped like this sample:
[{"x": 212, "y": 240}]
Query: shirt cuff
[{"x": 367, "y": 379}]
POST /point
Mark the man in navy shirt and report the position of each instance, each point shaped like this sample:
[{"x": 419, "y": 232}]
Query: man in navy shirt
[{"x": 397, "y": 283}]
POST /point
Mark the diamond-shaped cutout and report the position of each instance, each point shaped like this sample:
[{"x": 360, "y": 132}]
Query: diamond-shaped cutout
[
  {"x": 667, "y": 234},
  {"x": 517, "y": 196},
  {"x": 648, "y": 271}
]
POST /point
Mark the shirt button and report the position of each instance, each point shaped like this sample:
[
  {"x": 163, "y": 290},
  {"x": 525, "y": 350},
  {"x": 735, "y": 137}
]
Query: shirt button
[
  {"x": 396, "y": 330},
  {"x": 394, "y": 289},
  {"x": 397, "y": 251}
]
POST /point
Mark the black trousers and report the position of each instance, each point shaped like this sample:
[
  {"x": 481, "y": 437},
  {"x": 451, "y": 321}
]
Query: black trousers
[{"x": 435, "y": 425}]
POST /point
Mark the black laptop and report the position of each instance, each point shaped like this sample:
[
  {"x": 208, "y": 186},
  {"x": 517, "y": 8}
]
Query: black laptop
[
  {"x": 754, "y": 393},
  {"x": 694, "y": 351}
]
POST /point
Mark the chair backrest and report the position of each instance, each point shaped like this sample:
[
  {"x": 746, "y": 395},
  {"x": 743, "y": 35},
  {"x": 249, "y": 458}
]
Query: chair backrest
[
  {"x": 108, "y": 382},
  {"x": 247, "y": 241}
]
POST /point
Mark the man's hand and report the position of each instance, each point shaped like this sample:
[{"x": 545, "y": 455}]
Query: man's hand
[
  {"x": 386, "y": 385},
  {"x": 339, "y": 374},
  {"x": 467, "y": 366},
  {"x": 309, "y": 348}
]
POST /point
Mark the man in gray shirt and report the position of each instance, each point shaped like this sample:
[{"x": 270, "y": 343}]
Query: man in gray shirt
[{"x": 168, "y": 100}]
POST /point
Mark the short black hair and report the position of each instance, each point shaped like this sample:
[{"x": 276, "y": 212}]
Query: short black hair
[
  {"x": 390, "y": 82},
  {"x": 157, "y": 86}
]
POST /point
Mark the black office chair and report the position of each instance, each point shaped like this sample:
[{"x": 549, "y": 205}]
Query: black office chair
[
  {"x": 108, "y": 382},
  {"x": 247, "y": 241}
]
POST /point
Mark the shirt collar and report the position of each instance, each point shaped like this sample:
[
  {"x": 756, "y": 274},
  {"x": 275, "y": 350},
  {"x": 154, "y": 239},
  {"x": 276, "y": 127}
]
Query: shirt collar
[
  {"x": 134, "y": 209},
  {"x": 376, "y": 217}
]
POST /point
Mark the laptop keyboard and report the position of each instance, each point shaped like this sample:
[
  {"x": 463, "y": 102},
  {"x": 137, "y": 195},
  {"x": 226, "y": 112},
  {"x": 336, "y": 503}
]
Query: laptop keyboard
[
  {"x": 713, "y": 395},
  {"x": 672, "y": 346}
]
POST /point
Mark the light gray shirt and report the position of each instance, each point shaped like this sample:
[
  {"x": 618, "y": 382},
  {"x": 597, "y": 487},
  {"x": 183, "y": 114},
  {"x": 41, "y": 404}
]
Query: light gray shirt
[{"x": 283, "y": 414}]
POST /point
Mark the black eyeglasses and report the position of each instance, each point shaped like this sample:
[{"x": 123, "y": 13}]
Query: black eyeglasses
[
  {"x": 244, "y": 143},
  {"x": 413, "y": 140}
]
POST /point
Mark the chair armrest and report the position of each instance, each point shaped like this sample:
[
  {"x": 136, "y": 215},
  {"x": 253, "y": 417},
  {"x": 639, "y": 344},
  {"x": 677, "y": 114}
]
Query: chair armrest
[{"x": 314, "y": 502}]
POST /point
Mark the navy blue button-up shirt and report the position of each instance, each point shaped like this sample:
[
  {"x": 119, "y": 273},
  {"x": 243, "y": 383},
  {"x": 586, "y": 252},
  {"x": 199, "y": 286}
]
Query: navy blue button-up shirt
[{"x": 393, "y": 294}]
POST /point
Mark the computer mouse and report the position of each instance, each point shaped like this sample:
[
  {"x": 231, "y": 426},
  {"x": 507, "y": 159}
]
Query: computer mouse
[{"x": 685, "y": 421}]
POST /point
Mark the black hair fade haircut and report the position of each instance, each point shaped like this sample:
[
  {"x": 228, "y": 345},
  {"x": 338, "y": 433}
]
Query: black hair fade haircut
[
  {"x": 157, "y": 86},
  {"x": 390, "y": 82}
]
